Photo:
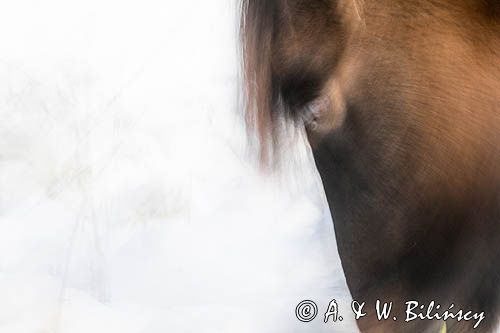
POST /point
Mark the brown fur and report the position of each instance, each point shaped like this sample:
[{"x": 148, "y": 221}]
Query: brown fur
[{"x": 407, "y": 144}]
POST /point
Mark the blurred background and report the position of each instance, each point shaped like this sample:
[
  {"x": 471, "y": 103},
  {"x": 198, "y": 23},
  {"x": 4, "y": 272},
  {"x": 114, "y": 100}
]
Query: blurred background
[{"x": 129, "y": 198}]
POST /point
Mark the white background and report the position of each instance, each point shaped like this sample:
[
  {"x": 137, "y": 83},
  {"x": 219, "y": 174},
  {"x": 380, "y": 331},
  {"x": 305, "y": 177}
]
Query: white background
[{"x": 128, "y": 197}]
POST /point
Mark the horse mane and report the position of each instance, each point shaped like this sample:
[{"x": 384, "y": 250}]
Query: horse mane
[{"x": 257, "y": 34}]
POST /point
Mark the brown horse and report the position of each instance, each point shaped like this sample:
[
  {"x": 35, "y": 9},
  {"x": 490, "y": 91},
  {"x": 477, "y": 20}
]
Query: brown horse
[{"x": 401, "y": 103}]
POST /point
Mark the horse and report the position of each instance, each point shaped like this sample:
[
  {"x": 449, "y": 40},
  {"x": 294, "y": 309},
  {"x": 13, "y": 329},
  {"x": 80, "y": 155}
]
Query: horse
[{"x": 400, "y": 100}]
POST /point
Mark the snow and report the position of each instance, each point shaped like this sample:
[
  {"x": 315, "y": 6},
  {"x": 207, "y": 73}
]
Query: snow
[{"x": 129, "y": 201}]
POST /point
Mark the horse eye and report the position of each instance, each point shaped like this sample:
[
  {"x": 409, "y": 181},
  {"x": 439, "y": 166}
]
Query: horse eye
[{"x": 314, "y": 112}]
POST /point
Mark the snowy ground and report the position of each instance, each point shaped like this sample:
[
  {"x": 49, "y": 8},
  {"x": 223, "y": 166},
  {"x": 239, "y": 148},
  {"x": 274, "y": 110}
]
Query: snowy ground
[{"x": 128, "y": 200}]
